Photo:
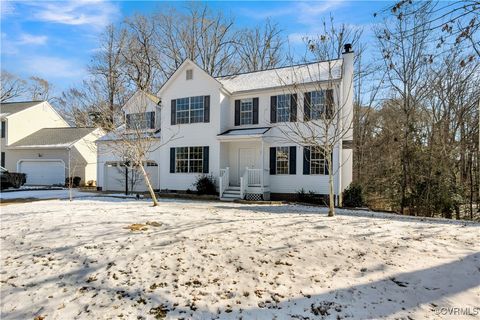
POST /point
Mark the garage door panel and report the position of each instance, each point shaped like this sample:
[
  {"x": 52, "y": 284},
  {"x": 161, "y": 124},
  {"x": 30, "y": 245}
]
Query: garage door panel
[
  {"x": 48, "y": 172},
  {"x": 115, "y": 178}
]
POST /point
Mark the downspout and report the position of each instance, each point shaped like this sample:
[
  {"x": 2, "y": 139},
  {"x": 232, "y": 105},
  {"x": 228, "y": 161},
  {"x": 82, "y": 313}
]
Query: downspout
[{"x": 340, "y": 159}]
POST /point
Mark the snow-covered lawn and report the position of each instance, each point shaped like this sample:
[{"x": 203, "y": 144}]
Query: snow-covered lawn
[
  {"x": 42, "y": 194},
  {"x": 204, "y": 260}
]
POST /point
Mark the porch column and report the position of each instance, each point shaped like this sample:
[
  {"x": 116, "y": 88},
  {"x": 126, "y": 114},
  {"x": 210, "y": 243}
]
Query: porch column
[{"x": 263, "y": 169}]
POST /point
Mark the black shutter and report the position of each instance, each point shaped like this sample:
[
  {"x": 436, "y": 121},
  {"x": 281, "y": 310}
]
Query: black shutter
[
  {"x": 3, "y": 160},
  {"x": 152, "y": 120},
  {"x": 237, "y": 112},
  {"x": 129, "y": 121},
  {"x": 255, "y": 111},
  {"x": 273, "y": 160},
  {"x": 329, "y": 104},
  {"x": 205, "y": 159},
  {"x": 293, "y": 107},
  {"x": 174, "y": 112},
  {"x": 273, "y": 109},
  {"x": 206, "y": 109},
  {"x": 172, "y": 160},
  {"x": 307, "y": 109},
  {"x": 306, "y": 160},
  {"x": 293, "y": 160},
  {"x": 3, "y": 129}
]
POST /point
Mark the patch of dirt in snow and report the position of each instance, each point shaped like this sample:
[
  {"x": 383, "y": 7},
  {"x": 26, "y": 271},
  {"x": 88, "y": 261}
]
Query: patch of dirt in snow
[{"x": 95, "y": 258}]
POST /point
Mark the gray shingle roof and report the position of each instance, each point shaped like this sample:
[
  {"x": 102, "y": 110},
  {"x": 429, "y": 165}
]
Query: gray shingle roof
[
  {"x": 53, "y": 137},
  {"x": 7, "y": 108},
  {"x": 304, "y": 73}
]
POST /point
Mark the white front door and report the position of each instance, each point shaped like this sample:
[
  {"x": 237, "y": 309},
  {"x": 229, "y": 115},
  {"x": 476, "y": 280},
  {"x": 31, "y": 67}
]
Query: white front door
[{"x": 247, "y": 157}]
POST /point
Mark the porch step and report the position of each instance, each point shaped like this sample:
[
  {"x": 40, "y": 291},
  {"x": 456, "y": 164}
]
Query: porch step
[
  {"x": 231, "y": 193},
  {"x": 234, "y": 192}
]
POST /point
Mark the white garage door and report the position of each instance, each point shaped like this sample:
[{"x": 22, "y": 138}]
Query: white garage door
[
  {"x": 115, "y": 177},
  {"x": 43, "y": 172}
]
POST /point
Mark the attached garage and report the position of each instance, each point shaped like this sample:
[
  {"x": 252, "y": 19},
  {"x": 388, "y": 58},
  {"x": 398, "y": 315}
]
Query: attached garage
[
  {"x": 43, "y": 172},
  {"x": 115, "y": 176}
]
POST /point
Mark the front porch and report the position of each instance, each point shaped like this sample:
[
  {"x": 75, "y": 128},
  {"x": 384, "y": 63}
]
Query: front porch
[{"x": 243, "y": 174}]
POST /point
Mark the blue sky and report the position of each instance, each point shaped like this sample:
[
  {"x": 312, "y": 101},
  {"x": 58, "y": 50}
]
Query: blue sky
[{"x": 55, "y": 39}]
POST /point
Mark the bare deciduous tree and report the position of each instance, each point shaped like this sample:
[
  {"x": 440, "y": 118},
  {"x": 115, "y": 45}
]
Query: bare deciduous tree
[
  {"x": 40, "y": 89},
  {"x": 134, "y": 141},
  {"x": 205, "y": 37},
  {"x": 106, "y": 67},
  {"x": 261, "y": 47},
  {"x": 12, "y": 86},
  {"x": 324, "y": 105}
]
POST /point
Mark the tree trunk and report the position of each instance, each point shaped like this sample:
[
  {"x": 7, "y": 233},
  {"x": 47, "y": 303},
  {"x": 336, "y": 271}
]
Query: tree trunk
[
  {"x": 331, "y": 196},
  {"x": 149, "y": 185}
]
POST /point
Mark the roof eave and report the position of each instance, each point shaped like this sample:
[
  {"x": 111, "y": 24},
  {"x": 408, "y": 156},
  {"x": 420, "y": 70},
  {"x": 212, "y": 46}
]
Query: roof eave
[{"x": 284, "y": 86}]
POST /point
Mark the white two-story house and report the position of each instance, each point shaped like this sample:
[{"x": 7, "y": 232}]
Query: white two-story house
[{"x": 236, "y": 128}]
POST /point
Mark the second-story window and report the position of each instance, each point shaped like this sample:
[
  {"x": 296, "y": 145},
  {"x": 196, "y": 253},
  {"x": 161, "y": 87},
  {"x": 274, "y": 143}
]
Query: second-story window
[
  {"x": 283, "y": 108},
  {"x": 318, "y": 105},
  {"x": 246, "y": 111},
  {"x": 140, "y": 121},
  {"x": 191, "y": 110}
]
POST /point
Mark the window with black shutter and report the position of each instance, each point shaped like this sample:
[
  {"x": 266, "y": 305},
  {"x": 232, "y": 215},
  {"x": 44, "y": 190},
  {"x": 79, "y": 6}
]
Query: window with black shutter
[
  {"x": 190, "y": 110},
  {"x": 189, "y": 160},
  {"x": 318, "y": 105},
  {"x": 283, "y": 160},
  {"x": 314, "y": 161}
]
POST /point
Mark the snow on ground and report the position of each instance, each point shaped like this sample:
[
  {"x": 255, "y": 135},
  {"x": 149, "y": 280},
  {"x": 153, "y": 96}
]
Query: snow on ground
[
  {"x": 43, "y": 194},
  {"x": 205, "y": 260}
]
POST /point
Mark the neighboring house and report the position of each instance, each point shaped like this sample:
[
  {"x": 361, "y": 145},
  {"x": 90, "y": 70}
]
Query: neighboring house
[
  {"x": 37, "y": 141},
  {"x": 230, "y": 126}
]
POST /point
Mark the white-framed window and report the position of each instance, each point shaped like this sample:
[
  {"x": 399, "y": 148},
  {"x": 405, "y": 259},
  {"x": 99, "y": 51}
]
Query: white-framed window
[
  {"x": 318, "y": 162},
  {"x": 283, "y": 160},
  {"x": 149, "y": 163},
  {"x": 283, "y": 108},
  {"x": 141, "y": 120},
  {"x": 190, "y": 110},
  {"x": 189, "y": 74},
  {"x": 317, "y": 104},
  {"x": 189, "y": 160},
  {"x": 321, "y": 104},
  {"x": 246, "y": 111}
]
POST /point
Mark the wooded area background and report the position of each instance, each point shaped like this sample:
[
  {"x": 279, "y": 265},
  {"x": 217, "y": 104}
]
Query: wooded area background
[{"x": 417, "y": 89}]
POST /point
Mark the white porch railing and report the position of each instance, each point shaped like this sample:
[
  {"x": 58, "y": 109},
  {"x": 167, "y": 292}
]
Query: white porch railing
[
  {"x": 257, "y": 177},
  {"x": 244, "y": 183},
  {"x": 224, "y": 180}
]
